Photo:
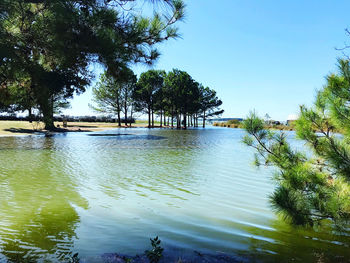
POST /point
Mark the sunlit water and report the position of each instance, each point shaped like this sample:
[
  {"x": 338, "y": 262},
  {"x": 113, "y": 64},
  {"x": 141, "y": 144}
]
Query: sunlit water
[{"x": 196, "y": 189}]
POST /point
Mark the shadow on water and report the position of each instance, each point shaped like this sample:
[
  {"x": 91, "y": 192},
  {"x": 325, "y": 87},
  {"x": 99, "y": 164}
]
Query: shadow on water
[
  {"x": 84, "y": 126},
  {"x": 286, "y": 243},
  {"x": 38, "y": 218},
  {"x": 280, "y": 242},
  {"x": 124, "y": 136},
  {"x": 28, "y": 143},
  {"x": 22, "y": 130}
]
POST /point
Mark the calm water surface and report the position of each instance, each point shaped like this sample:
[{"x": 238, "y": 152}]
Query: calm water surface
[{"x": 196, "y": 189}]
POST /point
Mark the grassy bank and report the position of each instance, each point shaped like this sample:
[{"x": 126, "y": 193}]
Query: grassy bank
[
  {"x": 238, "y": 124},
  {"x": 13, "y": 128}
]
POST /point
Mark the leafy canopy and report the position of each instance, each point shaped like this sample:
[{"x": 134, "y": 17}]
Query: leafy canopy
[{"x": 46, "y": 47}]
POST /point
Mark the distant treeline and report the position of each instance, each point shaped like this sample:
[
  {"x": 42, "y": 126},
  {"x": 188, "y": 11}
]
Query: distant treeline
[
  {"x": 12, "y": 117},
  {"x": 269, "y": 125}
]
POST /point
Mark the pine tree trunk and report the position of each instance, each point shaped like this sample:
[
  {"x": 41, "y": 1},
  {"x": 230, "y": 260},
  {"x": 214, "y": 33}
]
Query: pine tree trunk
[
  {"x": 185, "y": 121},
  {"x": 119, "y": 121},
  {"x": 161, "y": 118},
  {"x": 30, "y": 115},
  {"x": 126, "y": 113},
  {"x": 152, "y": 118},
  {"x": 118, "y": 110},
  {"x": 131, "y": 116},
  {"x": 203, "y": 119},
  {"x": 48, "y": 121},
  {"x": 149, "y": 117},
  {"x": 47, "y": 111}
]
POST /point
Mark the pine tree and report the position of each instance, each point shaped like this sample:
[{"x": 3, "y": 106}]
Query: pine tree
[
  {"x": 316, "y": 188},
  {"x": 52, "y": 44}
]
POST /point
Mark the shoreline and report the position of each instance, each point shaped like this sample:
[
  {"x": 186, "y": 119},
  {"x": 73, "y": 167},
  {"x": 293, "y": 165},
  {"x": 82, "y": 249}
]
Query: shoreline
[
  {"x": 280, "y": 127},
  {"x": 25, "y": 128}
]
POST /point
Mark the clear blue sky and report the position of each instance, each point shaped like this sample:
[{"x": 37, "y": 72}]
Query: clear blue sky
[{"x": 270, "y": 56}]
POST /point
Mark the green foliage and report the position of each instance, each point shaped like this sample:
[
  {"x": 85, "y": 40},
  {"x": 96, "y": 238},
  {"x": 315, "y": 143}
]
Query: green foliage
[
  {"x": 209, "y": 102},
  {"x": 156, "y": 253},
  {"x": 106, "y": 94},
  {"x": 75, "y": 258},
  {"x": 46, "y": 47},
  {"x": 114, "y": 95},
  {"x": 128, "y": 260},
  {"x": 311, "y": 189},
  {"x": 147, "y": 93},
  {"x": 185, "y": 91},
  {"x": 189, "y": 98},
  {"x": 230, "y": 122},
  {"x": 149, "y": 84},
  {"x": 175, "y": 94}
]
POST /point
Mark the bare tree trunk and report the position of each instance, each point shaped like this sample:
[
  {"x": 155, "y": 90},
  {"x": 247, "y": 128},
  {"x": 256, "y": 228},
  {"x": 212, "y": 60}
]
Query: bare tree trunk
[{"x": 164, "y": 118}]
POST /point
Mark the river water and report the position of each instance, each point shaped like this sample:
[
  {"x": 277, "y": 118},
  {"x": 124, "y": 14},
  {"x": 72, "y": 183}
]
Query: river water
[{"x": 196, "y": 189}]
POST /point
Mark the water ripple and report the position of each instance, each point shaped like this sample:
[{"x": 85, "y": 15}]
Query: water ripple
[{"x": 111, "y": 191}]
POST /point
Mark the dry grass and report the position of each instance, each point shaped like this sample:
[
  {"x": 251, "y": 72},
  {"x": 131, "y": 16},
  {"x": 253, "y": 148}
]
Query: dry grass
[
  {"x": 13, "y": 128},
  {"x": 19, "y": 127}
]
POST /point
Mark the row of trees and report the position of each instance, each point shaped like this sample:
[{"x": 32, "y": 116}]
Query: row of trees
[
  {"x": 172, "y": 96},
  {"x": 47, "y": 47}
]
